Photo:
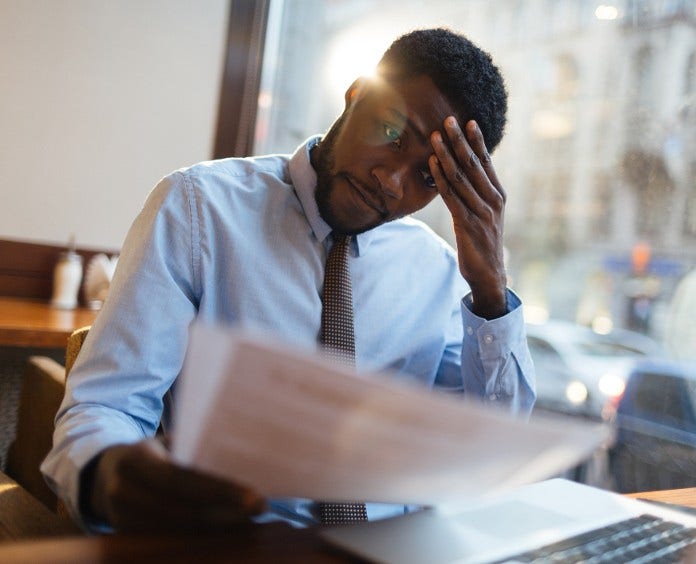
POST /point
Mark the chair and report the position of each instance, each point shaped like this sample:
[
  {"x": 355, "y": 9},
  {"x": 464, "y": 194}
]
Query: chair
[
  {"x": 75, "y": 341},
  {"x": 42, "y": 392},
  {"x": 43, "y": 387}
]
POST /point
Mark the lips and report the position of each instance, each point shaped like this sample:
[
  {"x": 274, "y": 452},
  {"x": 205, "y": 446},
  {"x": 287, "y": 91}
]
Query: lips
[{"x": 368, "y": 196}]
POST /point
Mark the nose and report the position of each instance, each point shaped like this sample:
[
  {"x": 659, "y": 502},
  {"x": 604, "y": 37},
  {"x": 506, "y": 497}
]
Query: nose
[{"x": 391, "y": 181}]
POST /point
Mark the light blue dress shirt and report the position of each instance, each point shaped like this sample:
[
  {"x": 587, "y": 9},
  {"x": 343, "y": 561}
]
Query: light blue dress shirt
[{"x": 241, "y": 241}]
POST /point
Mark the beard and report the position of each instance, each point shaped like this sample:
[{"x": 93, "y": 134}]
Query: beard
[
  {"x": 325, "y": 167},
  {"x": 325, "y": 187},
  {"x": 327, "y": 194}
]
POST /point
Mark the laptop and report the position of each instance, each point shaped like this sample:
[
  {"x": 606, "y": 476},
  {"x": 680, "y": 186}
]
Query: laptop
[{"x": 531, "y": 523}]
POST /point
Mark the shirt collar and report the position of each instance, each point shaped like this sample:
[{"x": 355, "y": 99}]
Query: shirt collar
[{"x": 304, "y": 179}]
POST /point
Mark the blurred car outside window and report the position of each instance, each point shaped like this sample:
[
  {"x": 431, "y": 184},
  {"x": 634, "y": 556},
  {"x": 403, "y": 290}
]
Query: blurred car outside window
[{"x": 655, "y": 444}]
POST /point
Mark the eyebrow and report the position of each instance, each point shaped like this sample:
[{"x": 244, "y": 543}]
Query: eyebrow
[{"x": 423, "y": 138}]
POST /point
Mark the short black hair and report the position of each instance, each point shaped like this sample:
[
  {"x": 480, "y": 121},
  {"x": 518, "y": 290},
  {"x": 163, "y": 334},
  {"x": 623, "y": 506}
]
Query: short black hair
[{"x": 463, "y": 72}]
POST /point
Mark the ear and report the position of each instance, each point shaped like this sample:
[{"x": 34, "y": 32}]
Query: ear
[{"x": 356, "y": 90}]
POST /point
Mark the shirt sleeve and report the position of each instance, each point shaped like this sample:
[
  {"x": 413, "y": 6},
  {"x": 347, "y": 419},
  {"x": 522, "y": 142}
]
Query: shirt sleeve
[
  {"x": 135, "y": 348},
  {"x": 496, "y": 366}
]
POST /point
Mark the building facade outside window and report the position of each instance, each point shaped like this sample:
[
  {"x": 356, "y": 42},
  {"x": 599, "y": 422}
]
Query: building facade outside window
[{"x": 600, "y": 148}]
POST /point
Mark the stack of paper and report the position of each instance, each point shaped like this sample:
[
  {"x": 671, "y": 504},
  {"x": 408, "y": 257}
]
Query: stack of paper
[{"x": 289, "y": 423}]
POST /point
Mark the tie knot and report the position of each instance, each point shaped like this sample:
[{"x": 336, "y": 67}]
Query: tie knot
[
  {"x": 340, "y": 239},
  {"x": 338, "y": 254}
]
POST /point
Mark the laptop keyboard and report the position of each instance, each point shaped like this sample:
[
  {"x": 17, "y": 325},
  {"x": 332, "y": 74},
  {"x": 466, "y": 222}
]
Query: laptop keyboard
[{"x": 639, "y": 540}]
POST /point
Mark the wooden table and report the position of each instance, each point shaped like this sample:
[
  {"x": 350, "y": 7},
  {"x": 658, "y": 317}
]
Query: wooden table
[
  {"x": 33, "y": 323},
  {"x": 684, "y": 496},
  {"x": 271, "y": 543},
  {"x": 29, "y": 533}
]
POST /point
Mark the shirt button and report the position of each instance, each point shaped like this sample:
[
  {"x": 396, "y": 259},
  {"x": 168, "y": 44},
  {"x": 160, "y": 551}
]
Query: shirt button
[
  {"x": 470, "y": 330},
  {"x": 488, "y": 339}
]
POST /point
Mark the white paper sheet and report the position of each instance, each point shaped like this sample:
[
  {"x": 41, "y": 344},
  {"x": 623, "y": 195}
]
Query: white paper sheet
[{"x": 290, "y": 424}]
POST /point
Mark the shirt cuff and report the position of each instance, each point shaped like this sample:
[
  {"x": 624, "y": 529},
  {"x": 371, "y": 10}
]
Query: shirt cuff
[{"x": 495, "y": 338}]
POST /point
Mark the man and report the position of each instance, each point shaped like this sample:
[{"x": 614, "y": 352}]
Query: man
[{"x": 245, "y": 241}]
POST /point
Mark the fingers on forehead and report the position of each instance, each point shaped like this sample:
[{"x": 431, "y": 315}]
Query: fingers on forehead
[
  {"x": 465, "y": 148},
  {"x": 476, "y": 154}
]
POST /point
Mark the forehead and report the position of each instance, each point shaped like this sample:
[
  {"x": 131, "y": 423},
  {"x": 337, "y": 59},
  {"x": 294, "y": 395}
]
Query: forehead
[{"x": 416, "y": 100}]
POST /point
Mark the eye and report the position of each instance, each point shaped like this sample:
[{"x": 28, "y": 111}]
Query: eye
[
  {"x": 428, "y": 179},
  {"x": 392, "y": 135}
]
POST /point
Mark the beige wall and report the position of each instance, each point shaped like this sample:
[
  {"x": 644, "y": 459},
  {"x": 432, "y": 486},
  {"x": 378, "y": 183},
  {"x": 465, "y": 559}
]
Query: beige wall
[{"x": 98, "y": 100}]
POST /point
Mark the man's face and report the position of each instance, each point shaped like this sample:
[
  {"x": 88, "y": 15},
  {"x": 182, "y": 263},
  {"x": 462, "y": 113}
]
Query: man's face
[{"x": 372, "y": 165}]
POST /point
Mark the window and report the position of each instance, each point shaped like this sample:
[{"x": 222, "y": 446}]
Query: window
[{"x": 599, "y": 157}]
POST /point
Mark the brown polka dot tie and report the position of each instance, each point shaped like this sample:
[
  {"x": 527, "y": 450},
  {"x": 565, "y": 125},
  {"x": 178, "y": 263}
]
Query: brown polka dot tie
[
  {"x": 337, "y": 331},
  {"x": 338, "y": 338}
]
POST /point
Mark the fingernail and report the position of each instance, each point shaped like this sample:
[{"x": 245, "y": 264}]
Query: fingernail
[
  {"x": 450, "y": 122},
  {"x": 437, "y": 137}
]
